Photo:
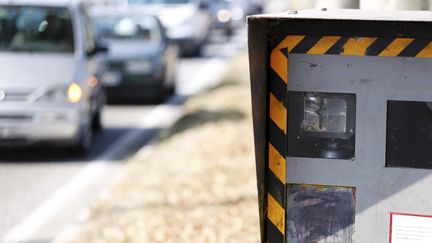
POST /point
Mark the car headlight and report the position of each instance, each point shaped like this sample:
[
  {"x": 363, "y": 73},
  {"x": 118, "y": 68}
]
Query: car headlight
[
  {"x": 223, "y": 15},
  {"x": 71, "y": 93},
  {"x": 138, "y": 66},
  {"x": 237, "y": 14},
  {"x": 74, "y": 93}
]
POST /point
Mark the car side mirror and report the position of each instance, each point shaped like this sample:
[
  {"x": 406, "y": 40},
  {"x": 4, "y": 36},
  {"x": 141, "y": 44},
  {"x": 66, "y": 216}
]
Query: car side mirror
[{"x": 98, "y": 49}]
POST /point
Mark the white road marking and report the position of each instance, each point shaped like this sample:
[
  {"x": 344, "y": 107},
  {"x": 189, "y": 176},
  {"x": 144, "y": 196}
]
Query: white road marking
[
  {"x": 70, "y": 233},
  {"x": 161, "y": 116},
  {"x": 206, "y": 77}
]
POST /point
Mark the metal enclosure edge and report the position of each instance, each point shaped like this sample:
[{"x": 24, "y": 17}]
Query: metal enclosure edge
[{"x": 258, "y": 63}]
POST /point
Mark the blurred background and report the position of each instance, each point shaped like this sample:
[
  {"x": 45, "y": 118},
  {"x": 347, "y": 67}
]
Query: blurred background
[{"x": 130, "y": 120}]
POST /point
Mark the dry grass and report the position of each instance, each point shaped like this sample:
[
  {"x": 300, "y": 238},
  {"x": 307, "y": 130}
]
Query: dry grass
[{"x": 197, "y": 184}]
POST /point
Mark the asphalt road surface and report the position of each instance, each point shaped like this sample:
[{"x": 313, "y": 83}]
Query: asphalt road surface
[{"x": 44, "y": 190}]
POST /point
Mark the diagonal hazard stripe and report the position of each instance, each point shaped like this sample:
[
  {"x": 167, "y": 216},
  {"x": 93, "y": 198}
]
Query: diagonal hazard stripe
[
  {"x": 291, "y": 42},
  {"x": 378, "y": 46},
  {"x": 396, "y": 47},
  {"x": 276, "y": 188},
  {"x": 337, "y": 48},
  {"x": 426, "y": 52},
  {"x": 276, "y": 137},
  {"x": 357, "y": 46},
  {"x": 414, "y": 48},
  {"x": 277, "y": 163},
  {"x": 279, "y": 64},
  {"x": 276, "y": 214},
  {"x": 273, "y": 234},
  {"x": 279, "y": 61},
  {"x": 323, "y": 45},
  {"x": 278, "y": 87},
  {"x": 278, "y": 113},
  {"x": 306, "y": 44}
]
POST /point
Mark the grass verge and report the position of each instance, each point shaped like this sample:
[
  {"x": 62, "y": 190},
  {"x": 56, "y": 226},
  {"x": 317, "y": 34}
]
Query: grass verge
[{"x": 198, "y": 182}]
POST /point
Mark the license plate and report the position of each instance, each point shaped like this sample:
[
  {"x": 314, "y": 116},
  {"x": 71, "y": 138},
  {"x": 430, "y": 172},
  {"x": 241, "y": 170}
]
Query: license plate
[
  {"x": 111, "y": 79},
  {"x": 10, "y": 132}
]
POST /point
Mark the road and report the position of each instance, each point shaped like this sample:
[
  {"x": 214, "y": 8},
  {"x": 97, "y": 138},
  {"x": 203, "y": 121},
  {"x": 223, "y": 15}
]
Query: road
[{"x": 44, "y": 190}]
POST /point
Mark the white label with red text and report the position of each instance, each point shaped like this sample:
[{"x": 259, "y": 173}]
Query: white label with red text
[{"x": 410, "y": 228}]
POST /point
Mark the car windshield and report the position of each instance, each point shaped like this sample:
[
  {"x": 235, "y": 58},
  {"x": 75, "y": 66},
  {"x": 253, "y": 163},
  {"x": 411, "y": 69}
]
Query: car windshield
[
  {"x": 35, "y": 29},
  {"x": 158, "y": 1},
  {"x": 127, "y": 27}
]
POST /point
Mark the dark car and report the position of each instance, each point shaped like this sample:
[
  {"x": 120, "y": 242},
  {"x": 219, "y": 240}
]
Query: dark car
[{"x": 141, "y": 61}]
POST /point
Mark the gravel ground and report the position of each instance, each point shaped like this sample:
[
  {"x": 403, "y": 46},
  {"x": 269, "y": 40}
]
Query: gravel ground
[{"x": 198, "y": 182}]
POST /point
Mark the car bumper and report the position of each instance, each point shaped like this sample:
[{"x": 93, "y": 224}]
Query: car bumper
[
  {"x": 187, "y": 46},
  {"x": 221, "y": 25},
  {"x": 28, "y": 125},
  {"x": 149, "y": 85},
  {"x": 148, "y": 91}
]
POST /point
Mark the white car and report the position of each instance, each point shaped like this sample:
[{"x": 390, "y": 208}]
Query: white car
[
  {"x": 49, "y": 88},
  {"x": 188, "y": 22}
]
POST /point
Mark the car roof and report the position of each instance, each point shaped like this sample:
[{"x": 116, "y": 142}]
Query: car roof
[
  {"x": 122, "y": 9},
  {"x": 53, "y": 3}
]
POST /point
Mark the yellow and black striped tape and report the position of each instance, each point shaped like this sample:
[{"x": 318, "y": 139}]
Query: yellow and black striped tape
[
  {"x": 313, "y": 45},
  {"x": 359, "y": 46},
  {"x": 277, "y": 143}
]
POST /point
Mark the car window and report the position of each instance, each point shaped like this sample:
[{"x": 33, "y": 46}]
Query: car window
[
  {"x": 36, "y": 29},
  {"x": 127, "y": 28}
]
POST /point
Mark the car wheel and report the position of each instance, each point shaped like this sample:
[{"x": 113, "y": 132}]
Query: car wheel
[
  {"x": 170, "y": 85},
  {"x": 197, "y": 50},
  {"x": 97, "y": 122},
  {"x": 166, "y": 93},
  {"x": 171, "y": 90},
  {"x": 85, "y": 141}
]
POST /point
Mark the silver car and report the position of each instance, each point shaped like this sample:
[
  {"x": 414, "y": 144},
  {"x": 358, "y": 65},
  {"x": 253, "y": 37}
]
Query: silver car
[{"x": 49, "y": 88}]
